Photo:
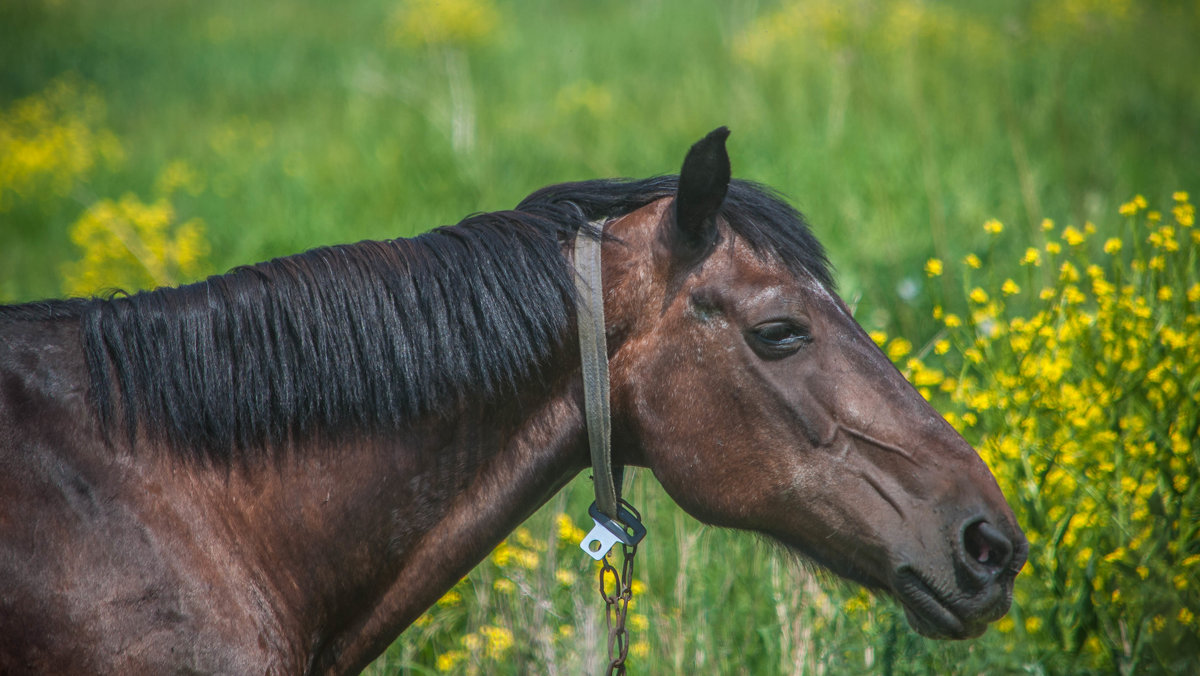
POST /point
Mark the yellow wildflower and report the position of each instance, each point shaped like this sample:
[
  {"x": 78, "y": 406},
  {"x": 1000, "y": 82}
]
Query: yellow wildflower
[
  {"x": 933, "y": 267},
  {"x": 898, "y": 348},
  {"x": 499, "y": 640},
  {"x": 1185, "y": 215},
  {"x": 973, "y": 261},
  {"x": 1010, "y": 288},
  {"x": 1072, "y": 236},
  {"x": 444, "y": 22},
  {"x": 502, "y": 554},
  {"x": 134, "y": 245},
  {"x": 1185, "y": 617},
  {"x": 51, "y": 139},
  {"x": 568, "y": 532},
  {"x": 1068, "y": 272},
  {"x": 524, "y": 537},
  {"x": 450, "y": 659},
  {"x": 993, "y": 227},
  {"x": 855, "y": 604},
  {"x": 526, "y": 559}
]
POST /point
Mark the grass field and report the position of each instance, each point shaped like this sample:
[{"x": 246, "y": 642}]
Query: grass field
[{"x": 149, "y": 143}]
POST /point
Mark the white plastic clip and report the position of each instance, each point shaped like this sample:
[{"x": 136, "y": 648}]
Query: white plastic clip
[{"x": 607, "y": 532}]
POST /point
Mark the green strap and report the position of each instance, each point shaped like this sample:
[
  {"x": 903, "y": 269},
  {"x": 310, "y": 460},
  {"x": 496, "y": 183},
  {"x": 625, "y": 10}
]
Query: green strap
[{"x": 593, "y": 350}]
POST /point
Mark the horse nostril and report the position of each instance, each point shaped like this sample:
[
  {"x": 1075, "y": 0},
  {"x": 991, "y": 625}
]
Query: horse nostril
[{"x": 986, "y": 546}]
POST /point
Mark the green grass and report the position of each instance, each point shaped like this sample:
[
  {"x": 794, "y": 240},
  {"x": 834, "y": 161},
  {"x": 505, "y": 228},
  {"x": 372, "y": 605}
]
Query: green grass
[
  {"x": 894, "y": 150},
  {"x": 898, "y": 128}
]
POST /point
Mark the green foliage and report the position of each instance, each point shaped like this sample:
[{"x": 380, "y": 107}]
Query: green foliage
[
  {"x": 1066, "y": 354},
  {"x": 891, "y": 124}
]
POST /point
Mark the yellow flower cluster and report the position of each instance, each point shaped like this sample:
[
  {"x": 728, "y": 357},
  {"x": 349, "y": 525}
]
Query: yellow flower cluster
[
  {"x": 1084, "y": 399},
  {"x": 50, "y": 139},
  {"x": 491, "y": 642},
  {"x": 475, "y": 625},
  {"x": 829, "y": 25},
  {"x": 132, "y": 245},
  {"x": 444, "y": 22},
  {"x": 524, "y": 553}
]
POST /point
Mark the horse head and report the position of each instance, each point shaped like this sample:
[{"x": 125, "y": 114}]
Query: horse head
[{"x": 744, "y": 383}]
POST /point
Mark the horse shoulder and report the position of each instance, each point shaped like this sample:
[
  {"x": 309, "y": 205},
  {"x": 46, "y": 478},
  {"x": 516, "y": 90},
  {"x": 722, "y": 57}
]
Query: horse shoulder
[{"x": 89, "y": 580}]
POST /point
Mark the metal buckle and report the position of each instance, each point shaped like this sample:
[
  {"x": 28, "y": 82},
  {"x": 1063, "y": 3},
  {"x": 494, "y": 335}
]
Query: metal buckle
[{"x": 607, "y": 532}]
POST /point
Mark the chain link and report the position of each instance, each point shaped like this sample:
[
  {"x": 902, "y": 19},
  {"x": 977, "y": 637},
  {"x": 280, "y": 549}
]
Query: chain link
[{"x": 616, "y": 605}]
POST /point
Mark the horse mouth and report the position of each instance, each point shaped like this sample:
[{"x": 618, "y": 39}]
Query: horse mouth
[{"x": 928, "y": 611}]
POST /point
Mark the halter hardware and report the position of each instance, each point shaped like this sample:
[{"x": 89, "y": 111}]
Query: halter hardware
[
  {"x": 608, "y": 531},
  {"x": 611, "y": 522}
]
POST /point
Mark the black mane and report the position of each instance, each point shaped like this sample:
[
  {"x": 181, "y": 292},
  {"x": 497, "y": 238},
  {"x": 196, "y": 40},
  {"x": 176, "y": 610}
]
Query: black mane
[{"x": 369, "y": 336}]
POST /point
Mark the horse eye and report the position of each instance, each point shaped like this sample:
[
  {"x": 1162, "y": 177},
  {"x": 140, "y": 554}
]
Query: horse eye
[{"x": 780, "y": 338}]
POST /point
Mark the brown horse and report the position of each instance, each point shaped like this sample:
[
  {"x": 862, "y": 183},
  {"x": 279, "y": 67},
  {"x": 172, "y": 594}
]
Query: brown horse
[{"x": 277, "y": 470}]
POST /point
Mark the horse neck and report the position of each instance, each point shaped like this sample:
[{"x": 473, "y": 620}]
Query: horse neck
[{"x": 358, "y": 541}]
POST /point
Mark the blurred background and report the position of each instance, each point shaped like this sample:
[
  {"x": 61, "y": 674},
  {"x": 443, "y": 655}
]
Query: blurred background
[{"x": 149, "y": 143}]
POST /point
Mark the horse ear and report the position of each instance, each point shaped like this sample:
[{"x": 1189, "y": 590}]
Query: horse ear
[{"x": 703, "y": 182}]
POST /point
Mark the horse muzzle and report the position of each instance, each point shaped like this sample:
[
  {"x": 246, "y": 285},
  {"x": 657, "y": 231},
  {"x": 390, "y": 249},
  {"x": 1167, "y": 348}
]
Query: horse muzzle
[{"x": 958, "y": 601}]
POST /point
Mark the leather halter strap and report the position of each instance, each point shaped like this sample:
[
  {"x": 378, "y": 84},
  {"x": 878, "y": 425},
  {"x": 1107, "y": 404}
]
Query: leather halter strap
[{"x": 593, "y": 350}]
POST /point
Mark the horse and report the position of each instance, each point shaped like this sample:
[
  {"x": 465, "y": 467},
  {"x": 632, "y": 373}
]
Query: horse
[{"x": 278, "y": 469}]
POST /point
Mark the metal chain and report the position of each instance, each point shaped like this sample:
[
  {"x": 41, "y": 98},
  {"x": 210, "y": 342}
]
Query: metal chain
[{"x": 616, "y": 605}]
